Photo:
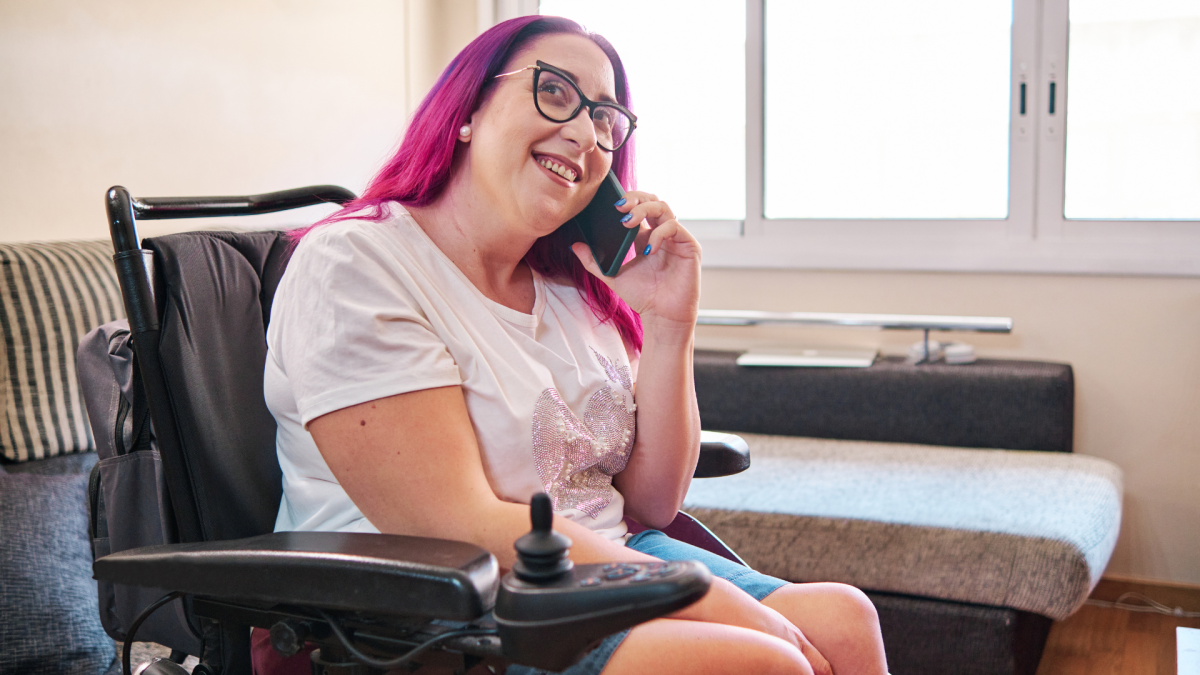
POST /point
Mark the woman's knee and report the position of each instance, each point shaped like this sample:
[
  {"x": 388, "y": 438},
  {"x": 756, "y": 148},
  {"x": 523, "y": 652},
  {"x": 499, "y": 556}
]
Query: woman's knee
[
  {"x": 840, "y": 620},
  {"x": 670, "y": 646},
  {"x": 836, "y": 603},
  {"x": 855, "y": 603}
]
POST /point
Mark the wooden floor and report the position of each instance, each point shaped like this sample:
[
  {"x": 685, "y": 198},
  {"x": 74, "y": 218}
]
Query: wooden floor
[{"x": 1105, "y": 641}]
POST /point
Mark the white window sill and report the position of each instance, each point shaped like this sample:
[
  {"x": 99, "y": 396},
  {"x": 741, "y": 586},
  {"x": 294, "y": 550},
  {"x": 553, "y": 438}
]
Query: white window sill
[{"x": 1108, "y": 248}]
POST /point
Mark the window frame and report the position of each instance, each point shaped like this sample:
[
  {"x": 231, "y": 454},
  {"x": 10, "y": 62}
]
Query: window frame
[
  {"x": 1158, "y": 247},
  {"x": 1034, "y": 238}
]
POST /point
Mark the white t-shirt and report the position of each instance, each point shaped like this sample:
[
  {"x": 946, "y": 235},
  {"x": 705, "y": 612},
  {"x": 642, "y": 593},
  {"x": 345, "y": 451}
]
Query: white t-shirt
[{"x": 373, "y": 309}]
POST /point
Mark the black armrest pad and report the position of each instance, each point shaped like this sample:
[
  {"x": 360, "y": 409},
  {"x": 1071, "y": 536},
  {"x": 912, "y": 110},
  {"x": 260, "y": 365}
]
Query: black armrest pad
[
  {"x": 721, "y": 455},
  {"x": 378, "y": 573}
]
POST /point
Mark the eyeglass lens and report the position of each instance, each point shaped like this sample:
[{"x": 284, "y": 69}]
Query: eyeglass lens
[{"x": 559, "y": 100}]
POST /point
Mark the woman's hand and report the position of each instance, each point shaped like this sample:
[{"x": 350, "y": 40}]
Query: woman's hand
[
  {"x": 818, "y": 662},
  {"x": 665, "y": 284},
  {"x": 727, "y": 604}
]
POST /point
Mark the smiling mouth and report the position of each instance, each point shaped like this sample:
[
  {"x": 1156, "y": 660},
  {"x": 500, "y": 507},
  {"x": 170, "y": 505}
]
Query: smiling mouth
[{"x": 551, "y": 165}]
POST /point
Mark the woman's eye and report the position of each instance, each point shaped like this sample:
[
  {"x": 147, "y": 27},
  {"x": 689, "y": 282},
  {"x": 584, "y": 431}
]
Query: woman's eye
[
  {"x": 604, "y": 118},
  {"x": 553, "y": 89}
]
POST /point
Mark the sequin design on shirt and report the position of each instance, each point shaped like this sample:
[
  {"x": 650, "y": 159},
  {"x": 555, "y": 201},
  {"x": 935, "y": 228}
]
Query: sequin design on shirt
[{"x": 577, "y": 458}]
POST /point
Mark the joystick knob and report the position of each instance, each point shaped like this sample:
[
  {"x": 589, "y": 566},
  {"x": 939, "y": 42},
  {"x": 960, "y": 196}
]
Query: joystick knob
[{"x": 542, "y": 554}]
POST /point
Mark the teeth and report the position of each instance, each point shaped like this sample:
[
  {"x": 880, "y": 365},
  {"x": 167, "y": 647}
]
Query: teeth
[{"x": 557, "y": 168}]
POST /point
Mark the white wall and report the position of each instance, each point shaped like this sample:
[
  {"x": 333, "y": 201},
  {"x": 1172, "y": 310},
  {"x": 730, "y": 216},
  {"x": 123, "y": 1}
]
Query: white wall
[
  {"x": 239, "y": 97},
  {"x": 175, "y": 98},
  {"x": 439, "y": 29}
]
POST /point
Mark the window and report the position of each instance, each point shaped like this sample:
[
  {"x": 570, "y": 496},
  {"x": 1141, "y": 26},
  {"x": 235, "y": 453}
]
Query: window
[
  {"x": 886, "y": 109},
  {"x": 702, "y": 64},
  {"x": 1133, "y": 145},
  {"x": 925, "y": 135}
]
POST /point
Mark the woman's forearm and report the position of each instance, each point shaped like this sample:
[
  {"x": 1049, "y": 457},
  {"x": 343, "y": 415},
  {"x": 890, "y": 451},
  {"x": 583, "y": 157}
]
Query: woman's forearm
[
  {"x": 724, "y": 603},
  {"x": 404, "y": 488},
  {"x": 498, "y": 525},
  {"x": 668, "y": 425}
]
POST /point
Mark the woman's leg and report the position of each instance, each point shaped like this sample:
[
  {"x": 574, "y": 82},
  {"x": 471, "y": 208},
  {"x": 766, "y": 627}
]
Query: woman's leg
[
  {"x": 839, "y": 620},
  {"x": 670, "y": 647}
]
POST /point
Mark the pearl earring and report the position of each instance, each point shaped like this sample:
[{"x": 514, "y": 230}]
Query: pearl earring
[{"x": 464, "y": 131}]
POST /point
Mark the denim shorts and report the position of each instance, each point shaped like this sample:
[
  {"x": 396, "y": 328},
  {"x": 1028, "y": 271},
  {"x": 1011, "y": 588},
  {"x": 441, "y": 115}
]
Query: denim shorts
[{"x": 659, "y": 545}]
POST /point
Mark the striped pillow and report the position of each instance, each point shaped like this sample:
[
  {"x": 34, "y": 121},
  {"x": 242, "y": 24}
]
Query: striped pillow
[{"x": 51, "y": 294}]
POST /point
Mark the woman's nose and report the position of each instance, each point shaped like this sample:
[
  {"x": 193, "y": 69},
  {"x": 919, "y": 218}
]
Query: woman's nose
[{"x": 581, "y": 130}]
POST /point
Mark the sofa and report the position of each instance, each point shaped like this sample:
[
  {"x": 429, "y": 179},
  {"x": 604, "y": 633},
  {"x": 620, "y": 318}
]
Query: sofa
[
  {"x": 50, "y": 296},
  {"x": 950, "y": 496},
  {"x": 949, "y": 493}
]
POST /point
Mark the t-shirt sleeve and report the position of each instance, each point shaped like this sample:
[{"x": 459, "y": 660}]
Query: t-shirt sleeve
[{"x": 348, "y": 327}]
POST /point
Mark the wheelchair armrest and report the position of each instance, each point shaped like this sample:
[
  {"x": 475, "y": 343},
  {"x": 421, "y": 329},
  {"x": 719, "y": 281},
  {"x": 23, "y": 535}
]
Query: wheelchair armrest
[
  {"x": 721, "y": 455},
  {"x": 378, "y": 573}
]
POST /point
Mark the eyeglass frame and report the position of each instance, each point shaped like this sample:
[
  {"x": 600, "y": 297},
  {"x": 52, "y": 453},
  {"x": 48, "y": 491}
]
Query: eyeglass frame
[{"x": 584, "y": 101}]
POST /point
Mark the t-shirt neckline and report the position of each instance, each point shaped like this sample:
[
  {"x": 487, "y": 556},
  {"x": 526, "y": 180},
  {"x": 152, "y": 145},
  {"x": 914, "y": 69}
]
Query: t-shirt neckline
[{"x": 504, "y": 312}]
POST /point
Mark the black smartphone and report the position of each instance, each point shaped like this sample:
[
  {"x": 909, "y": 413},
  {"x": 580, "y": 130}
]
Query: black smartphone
[{"x": 602, "y": 229}]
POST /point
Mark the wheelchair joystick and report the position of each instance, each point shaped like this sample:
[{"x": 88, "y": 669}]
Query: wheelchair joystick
[
  {"x": 542, "y": 553},
  {"x": 547, "y": 594}
]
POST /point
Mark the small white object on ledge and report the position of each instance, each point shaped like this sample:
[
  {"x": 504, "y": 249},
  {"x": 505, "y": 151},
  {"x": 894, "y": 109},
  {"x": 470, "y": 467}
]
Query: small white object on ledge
[
  {"x": 809, "y": 358},
  {"x": 958, "y": 353},
  {"x": 954, "y": 353},
  {"x": 917, "y": 353}
]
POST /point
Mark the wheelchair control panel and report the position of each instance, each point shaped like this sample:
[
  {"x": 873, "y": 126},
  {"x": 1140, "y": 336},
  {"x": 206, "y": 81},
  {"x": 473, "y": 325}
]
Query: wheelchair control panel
[
  {"x": 546, "y": 595},
  {"x": 547, "y": 612}
]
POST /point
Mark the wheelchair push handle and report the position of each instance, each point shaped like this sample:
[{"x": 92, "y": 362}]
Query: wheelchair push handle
[
  {"x": 162, "y": 208},
  {"x": 123, "y": 209}
]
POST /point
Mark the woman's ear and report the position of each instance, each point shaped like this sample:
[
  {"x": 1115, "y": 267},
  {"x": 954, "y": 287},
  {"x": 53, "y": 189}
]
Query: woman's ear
[{"x": 467, "y": 128}]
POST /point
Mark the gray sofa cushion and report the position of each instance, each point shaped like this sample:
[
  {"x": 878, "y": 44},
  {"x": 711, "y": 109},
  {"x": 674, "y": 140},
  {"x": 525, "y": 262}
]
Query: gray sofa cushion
[
  {"x": 63, "y": 464},
  {"x": 51, "y": 619},
  {"x": 1026, "y": 530}
]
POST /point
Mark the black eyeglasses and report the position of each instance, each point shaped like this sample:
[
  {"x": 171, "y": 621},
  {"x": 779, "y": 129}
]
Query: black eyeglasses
[{"x": 559, "y": 99}]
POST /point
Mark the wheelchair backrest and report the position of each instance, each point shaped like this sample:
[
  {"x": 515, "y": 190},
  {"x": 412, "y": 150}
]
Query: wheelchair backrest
[
  {"x": 213, "y": 292},
  {"x": 198, "y": 304}
]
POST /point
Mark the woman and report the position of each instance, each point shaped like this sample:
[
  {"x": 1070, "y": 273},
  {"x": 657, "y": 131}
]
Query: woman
[{"x": 439, "y": 352}]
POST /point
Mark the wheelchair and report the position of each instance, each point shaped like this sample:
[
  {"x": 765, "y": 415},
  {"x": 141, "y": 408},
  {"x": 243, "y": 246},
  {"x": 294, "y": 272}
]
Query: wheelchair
[{"x": 198, "y": 304}]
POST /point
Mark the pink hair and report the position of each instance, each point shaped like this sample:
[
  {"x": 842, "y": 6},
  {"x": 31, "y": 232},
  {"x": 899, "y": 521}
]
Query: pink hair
[{"x": 421, "y": 168}]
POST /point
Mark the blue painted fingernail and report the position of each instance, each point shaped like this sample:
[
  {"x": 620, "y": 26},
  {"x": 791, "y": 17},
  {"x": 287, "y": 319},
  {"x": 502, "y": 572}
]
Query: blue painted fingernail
[
  {"x": 627, "y": 217},
  {"x": 646, "y": 251},
  {"x": 620, "y": 202}
]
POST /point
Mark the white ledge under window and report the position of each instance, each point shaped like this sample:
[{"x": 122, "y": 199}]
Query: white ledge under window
[{"x": 1135, "y": 248}]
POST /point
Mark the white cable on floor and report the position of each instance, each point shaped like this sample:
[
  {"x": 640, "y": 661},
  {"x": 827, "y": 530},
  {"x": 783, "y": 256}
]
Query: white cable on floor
[{"x": 1149, "y": 605}]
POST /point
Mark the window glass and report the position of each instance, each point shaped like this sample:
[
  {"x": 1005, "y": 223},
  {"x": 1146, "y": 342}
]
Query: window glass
[
  {"x": 1133, "y": 114},
  {"x": 687, "y": 72},
  {"x": 885, "y": 109}
]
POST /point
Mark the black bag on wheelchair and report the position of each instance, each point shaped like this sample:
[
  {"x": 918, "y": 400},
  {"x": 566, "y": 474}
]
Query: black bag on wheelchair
[{"x": 127, "y": 487}]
